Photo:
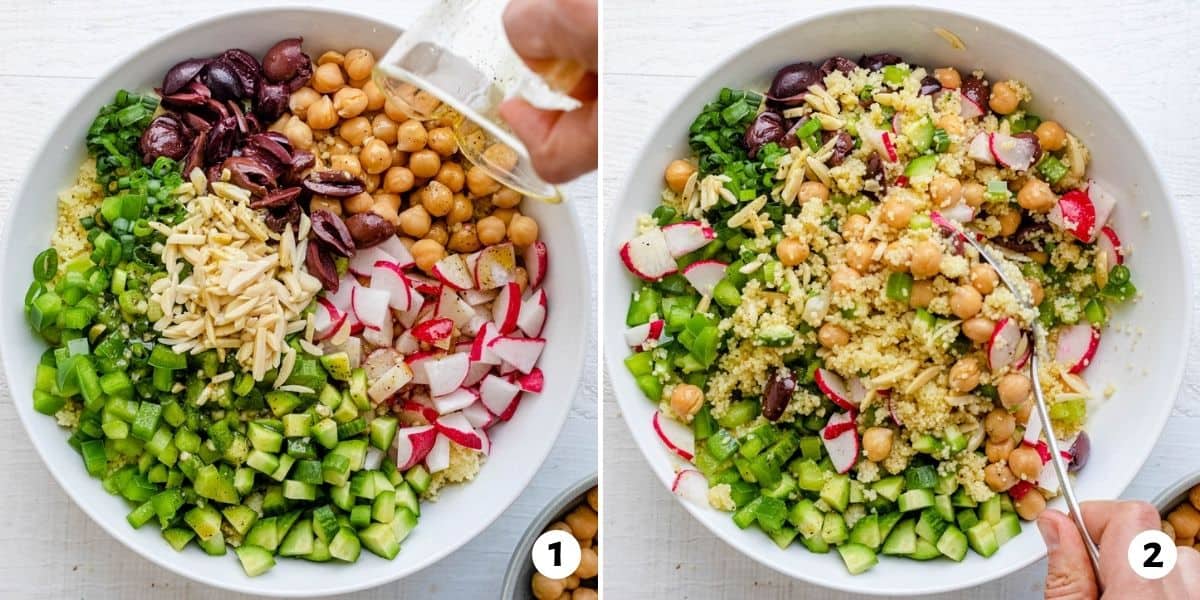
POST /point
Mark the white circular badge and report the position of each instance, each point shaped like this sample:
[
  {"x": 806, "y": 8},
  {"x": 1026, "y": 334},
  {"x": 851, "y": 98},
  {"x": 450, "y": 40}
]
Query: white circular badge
[
  {"x": 1152, "y": 554},
  {"x": 556, "y": 554}
]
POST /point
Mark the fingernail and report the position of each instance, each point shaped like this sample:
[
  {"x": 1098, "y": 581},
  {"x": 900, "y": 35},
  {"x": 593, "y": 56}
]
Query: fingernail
[{"x": 1049, "y": 534}]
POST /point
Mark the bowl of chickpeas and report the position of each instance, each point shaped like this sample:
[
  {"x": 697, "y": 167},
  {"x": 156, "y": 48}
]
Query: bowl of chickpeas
[
  {"x": 576, "y": 510},
  {"x": 1179, "y": 506}
]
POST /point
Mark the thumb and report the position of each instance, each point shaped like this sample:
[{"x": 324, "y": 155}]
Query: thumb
[{"x": 1068, "y": 572}]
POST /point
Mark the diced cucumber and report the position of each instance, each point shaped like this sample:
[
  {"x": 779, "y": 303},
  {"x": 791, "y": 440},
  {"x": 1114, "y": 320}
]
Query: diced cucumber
[
  {"x": 419, "y": 478},
  {"x": 815, "y": 544},
  {"x": 946, "y": 484},
  {"x": 255, "y": 561},
  {"x": 341, "y": 497},
  {"x": 264, "y": 534},
  {"x": 1006, "y": 504},
  {"x": 178, "y": 537},
  {"x": 925, "y": 550},
  {"x": 345, "y": 545},
  {"x": 380, "y": 539},
  {"x": 866, "y": 532},
  {"x": 358, "y": 392},
  {"x": 320, "y": 551},
  {"x": 383, "y": 432},
  {"x": 889, "y": 487},
  {"x": 783, "y": 537},
  {"x": 952, "y": 543},
  {"x": 915, "y": 500},
  {"x": 324, "y": 523},
  {"x": 982, "y": 539},
  {"x": 806, "y": 517},
  {"x": 858, "y": 558},
  {"x": 887, "y": 522},
  {"x": 776, "y": 336},
  {"x": 337, "y": 364},
  {"x": 407, "y": 498},
  {"x": 298, "y": 541},
  {"x": 941, "y": 504},
  {"x": 213, "y": 546},
  {"x": 902, "y": 540},
  {"x": 990, "y": 510},
  {"x": 836, "y": 492},
  {"x": 240, "y": 517},
  {"x": 204, "y": 520},
  {"x": 922, "y": 166},
  {"x": 857, "y": 492},
  {"x": 1007, "y": 528},
  {"x": 809, "y": 476},
  {"x": 931, "y": 525},
  {"x": 833, "y": 529},
  {"x": 783, "y": 488},
  {"x": 403, "y": 523},
  {"x": 922, "y": 477},
  {"x": 961, "y": 499}
]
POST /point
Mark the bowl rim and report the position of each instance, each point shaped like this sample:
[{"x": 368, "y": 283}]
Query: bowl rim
[
  {"x": 1172, "y": 495},
  {"x": 613, "y": 362},
  {"x": 557, "y": 505},
  {"x": 351, "y": 584}
]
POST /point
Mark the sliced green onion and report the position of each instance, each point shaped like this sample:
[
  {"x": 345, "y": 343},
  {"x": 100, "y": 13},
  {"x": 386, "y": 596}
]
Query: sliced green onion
[
  {"x": 899, "y": 286},
  {"x": 45, "y": 265}
]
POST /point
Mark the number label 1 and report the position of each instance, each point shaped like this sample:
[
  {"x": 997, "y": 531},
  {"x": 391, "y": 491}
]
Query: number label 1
[{"x": 556, "y": 554}]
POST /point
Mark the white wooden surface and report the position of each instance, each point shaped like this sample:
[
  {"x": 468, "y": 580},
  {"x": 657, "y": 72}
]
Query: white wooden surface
[
  {"x": 48, "y": 548},
  {"x": 1137, "y": 50}
]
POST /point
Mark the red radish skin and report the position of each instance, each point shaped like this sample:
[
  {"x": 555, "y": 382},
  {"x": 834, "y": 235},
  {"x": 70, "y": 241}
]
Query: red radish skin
[
  {"x": 507, "y": 307},
  {"x": 1018, "y": 491},
  {"x": 532, "y": 317},
  {"x": 980, "y": 149},
  {"x": 364, "y": 259},
  {"x": 522, "y": 353},
  {"x": 1013, "y": 152},
  {"x": 648, "y": 257},
  {"x": 416, "y": 362},
  {"x": 412, "y": 445},
  {"x": 687, "y": 236},
  {"x": 834, "y": 387},
  {"x": 843, "y": 447},
  {"x": 438, "y": 459},
  {"x": 479, "y": 347},
  {"x": 1075, "y": 214},
  {"x": 328, "y": 321},
  {"x": 1103, "y": 203},
  {"x": 452, "y": 271},
  {"x": 499, "y": 396},
  {"x": 1077, "y": 346},
  {"x": 427, "y": 413},
  {"x": 433, "y": 330},
  {"x": 532, "y": 382},
  {"x": 389, "y": 277},
  {"x": 677, "y": 437},
  {"x": 1110, "y": 244},
  {"x": 479, "y": 416},
  {"x": 891, "y": 404},
  {"x": 476, "y": 373},
  {"x": 537, "y": 262},
  {"x": 704, "y": 275},
  {"x": 638, "y": 335},
  {"x": 1004, "y": 345},
  {"x": 456, "y": 427},
  {"x": 691, "y": 485}
]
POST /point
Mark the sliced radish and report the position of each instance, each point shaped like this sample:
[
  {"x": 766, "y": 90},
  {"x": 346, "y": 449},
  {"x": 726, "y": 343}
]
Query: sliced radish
[
  {"x": 1004, "y": 346},
  {"x": 428, "y": 413},
  {"x": 341, "y": 298},
  {"x": 648, "y": 256},
  {"x": 425, "y": 285},
  {"x": 370, "y": 306},
  {"x": 506, "y": 368},
  {"x": 638, "y": 335},
  {"x": 476, "y": 297},
  {"x": 373, "y": 458},
  {"x": 364, "y": 260},
  {"x": 532, "y": 381},
  {"x": 476, "y": 373},
  {"x": 479, "y": 416},
  {"x": 1076, "y": 214},
  {"x": 522, "y": 353},
  {"x": 961, "y": 212},
  {"x": 691, "y": 485},
  {"x": 835, "y": 388},
  {"x": 1048, "y": 479},
  {"x": 479, "y": 347},
  {"x": 389, "y": 383},
  {"x": 497, "y": 265},
  {"x": 704, "y": 275},
  {"x": 452, "y": 270},
  {"x": 1033, "y": 429},
  {"x": 500, "y": 396},
  {"x": 417, "y": 361},
  {"x": 1104, "y": 202},
  {"x": 485, "y": 441},
  {"x": 447, "y": 373},
  {"x": 1014, "y": 152},
  {"x": 389, "y": 277},
  {"x": 856, "y": 389},
  {"x": 1077, "y": 346},
  {"x": 840, "y": 437},
  {"x": 412, "y": 445},
  {"x": 456, "y": 427},
  {"x": 439, "y": 456},
  {"x": 450, "y": 306},
  {"x": 454, "y": 401},
  {"x": 1018, "y": 490},
  {"x": 687, "y": 236},
  {"x": 532, "y": 316},
  {"x": 327, "y": 320},
  {"x": 677, "y": 437},
  {"x": 507, "y": 307},
  {"x": 433, "y": 331},
  {"x": 381, "y": 361},
  {"x": 406, "y": 343},
  {"x": 1110, "y": 245},
  {"x": 537, "y": 262},
  {"x": 891, "y": 405},
  {"x": 878, "y": 139},
  {"x": 396, "y": 249},
  {"x": 380, "y": 337},
  {"x": 968, "y": 109},
  {"x": 980, "y": 149}
]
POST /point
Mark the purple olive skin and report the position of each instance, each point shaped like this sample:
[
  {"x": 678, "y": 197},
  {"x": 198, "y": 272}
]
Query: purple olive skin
[
  {"x": 976, "y": 90},
  {"x": 271, "y": 100},
  {"x": 841, "y": 149},
  {"x": 250, "y": 173},
  {"x": 792, "y": 81},
  {"x": 767, "y": 127},
  {"x": 166, "y": 136},
  {"x": 778, "y": 393},
  {"x": 334, "y": 233},
  {"x": 930, "y": 85},
  {"x": 181, "y": 74},
  {"x": 838, "y": 63},
  {"x": 278, "y": 198},
  {"x": 1081, "y": 451},
  {"x": 222, "y": 139},
  {"x": 336, "y": 184},
  {"x": 279, "y": 218},
  {"x": 875, "y": 62},
  {"x": 320, "y": 264},
  {"x": 369, "y": 229},
  {"x": 284, "y": 60},
  {"x": 245, "y": 67},
  {"x": 223, "y": 81}
]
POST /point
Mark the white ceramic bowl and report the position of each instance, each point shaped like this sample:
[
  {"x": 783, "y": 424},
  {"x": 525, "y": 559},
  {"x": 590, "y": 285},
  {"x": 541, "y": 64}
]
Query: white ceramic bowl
[
  {"x": 462, "y": 512},
  {"x": 1123, "y": 428}
]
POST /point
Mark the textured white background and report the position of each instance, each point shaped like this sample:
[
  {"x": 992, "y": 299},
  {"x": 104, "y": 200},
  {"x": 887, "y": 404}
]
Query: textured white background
[
  {"x": 49, "y": 51},
  {"x": 1137, "y": 50}
]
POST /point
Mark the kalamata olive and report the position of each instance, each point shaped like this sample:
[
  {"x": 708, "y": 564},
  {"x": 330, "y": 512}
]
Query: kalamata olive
[
  {"x": 249, "y": 173},
  {"x": 320, "y": 265},
  {"x": 278, "y": 218},
  {"x": 222, "y": 81},
  {"x": 336, "y": 184},
  {"x": 875, "y": 62},
  {"x": 875, "y": 170},
  {"x": 976, "y": 90},
  {"x": 165, "y": 136},
  {"x": 780, "y": 387},
  {"x": 195, "y": 123},
  {"x": 767, "y": 127},
  {"x": 222, "y": 139},
  {"x": 302, "y": 160},
  {"x": 930, "y": 85},
  {"x": 181, "y": 74},
  {"x": 1037, "y": 146},
  {"x": 792, "y": 82},
  {"x": 246, "y": 67},
  {"x": 271, "y": 100},
  {"x": 235, "y": 109},
  {"x": 284, "y": 60},
  {"x": 337, "y": 235},
  {"x": 838, "y": 63},
  {"x": 278, "y": 198},
  {"x": 369, "y": 229},
  {"x": 841, "y": 149},
  {"x": 195, "y": 155},
  {"x": 1081, "y": 451},
  {"x": 271, "y": 151}
]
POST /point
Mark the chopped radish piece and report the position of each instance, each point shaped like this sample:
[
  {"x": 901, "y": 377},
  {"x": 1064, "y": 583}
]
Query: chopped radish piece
[
  {"x": 412, "y": 445},
  {"x": 677, "y": 437},
  {"x": 704, "y": 275},
  {"x": 439, "y": 456},
  {"x": 370, "y": 306},
  {"x": 507, "y": 307},
  {"x": 891, "y": 404},
  {"x": 452, "y": 270},
  {"x": 1048, "y": 479},
  {"x": 857, "y": 390},
  {"x": 381, "y": 361},
  {"x": 380, "y": 337},
  {"x": 1077, "y": 346},
  {"x": 506, "y": 368},
  {"x": 532, "y": 381},
  {"x": 425, "y": 285},
  {"x": 395, "y": 248},
  {"x": 878, "y": 139},
  {"x": 479, "y": 416},
  {"x": 840, "y": 437},
  {"x": 428, "y": 413},
  {"x": 373, "y": 458},
  {"x": 1110, "y": 245},
  {"x": 456, "y": 400},
  {"x": 364, "y": 260},
  {"x": 476, "y": 297},
  {"x": 450, "y": 306},
  {"x": 537, "y": 262},
  {"x": 1076, "y": 214},
  {"x": 479, "y": 348},
  {"x": 687, "y": 236},
  {"x": 522, "y": 353},
  {"x": 327, "y": 320},
  {"x": 1014, "y": 152},
  {"x": 1018, "y": 491},
  {"x": 433, "y": 331},
  {"x": 648, "y": 256},
  {"x": 389, "y": 277},
  {"x": 389, "y": 383},
  {"x": 406, "y": 343},
  {"x": 341, "y": 298},
  {"x": 638, "y": 335},
  {"x": 1004, "y": 347},
  {"x": 446, "y": 374},
  {"x": 485, "y": 440},
  {"x": 500, "y": 396},
  {"x": 967, "y": 108},
  {"x": 835, "y": 388},
  {"x": 1033, "y": 429},
  {"x": 410, "y": 316},
  {"x": 533, "y": 314},
  {"x": 1104, "y": 202},
  {"x": 497, "y": 265},
  {"x": 980, "y": 149},
  {"x": 476, "y": 373},
  {"x": 691, "y": 485},
  {"x": 456, "y": 427},
  {"x": 961, "y": 212},
  {"x": 416, "y": 362}
]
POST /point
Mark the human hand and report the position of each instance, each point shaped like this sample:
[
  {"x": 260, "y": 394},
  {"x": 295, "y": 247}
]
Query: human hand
[
  {"x": 1113, "y": 524},
  {"x": 563, "y": 145}
]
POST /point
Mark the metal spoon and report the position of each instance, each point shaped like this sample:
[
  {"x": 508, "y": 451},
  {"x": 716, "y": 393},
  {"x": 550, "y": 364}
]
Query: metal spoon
[{"x": 1039, "y": 336}]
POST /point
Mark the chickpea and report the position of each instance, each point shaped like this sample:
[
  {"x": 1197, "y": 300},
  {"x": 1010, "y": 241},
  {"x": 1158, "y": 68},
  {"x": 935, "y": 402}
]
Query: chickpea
[
  {"x": 411, "y": 136},
  {"x": 441, "y": 140},
  {"x": 522, "y": 277},
  {"x": 813, "y": 189},
  {"x": 1186, "y": 521},
  {"x": 855, "y": 226},
  {"x": 332, "y": 205},
  {"x": 398, "y": 180},
  {"x": 964, "y": 375},
  {"x": 677, "y": 174},
  {"x": 859, "y": 255},
  {"x": 387, "y": 211},
  {"x": 560, "y": 526},
  {"x": 504, "y": 214},
  {"x": 437, "y": 199},
  {"x": 1168, "y": 529},
  {"x": 358, "y": 63},
  {"x": 384, "y": 128},
  {"x": 878, "y": 443},
  {"x": 372, "y": 181},
  {"x": 584, "y": 594},
  {"x": 1004, "y": 98},
  {"x": 999, "y": 424},
  {"x": 583, "y": 522},
  {"x": 984, "y": 278},
  {"x": 588, "y": 565},
  {"x": 522, "y": 230},
  {"x": 1035, "y": 290},
  {"x": 572, "y": 581},
  {"x": 1194, "y": 497},
  {"x": 355, "y": 131},
  {"x": 686, "y": 400},
  {"x": 998, "y": 477},
  {"x": 1051, "y": 136},
  {"x": 952, "y": 123},
  {"x": 1024, "y": 411},
  {"x": 1013, "y": 389},
  {"x": 426, "y": 253},
  {"x": 375, "y": 157},
  {"x": 328, "y": 79},
  {"x": 926, "y": 260},
  {"x": 463, "y": 239},
  {"x": 791, "y": 251},
  {"x": 966, "y": 302},
  {"x": 480, "y": 183},
  {"x": 491, "y": 230},
  {"x": 415, "y": 221},
  {"x": 395, "y": 112},
  {"x": 321, "y": 114},
  {"x": 1030, "y": 505},
  {"x": 593, "y": 499},
  {"x": 301, "y": 99},
  {"x": 921, "y": 295},
  {"x": 424, "y": 163},
  {"x": 298, "y": 133},
  {"x": 349, "y": 102},
  {"x": 375, "y": 97},
  {"x": 948, "y": 77},
  {"x": 897, "y": 256},
  {"x": 832, "y": 336},
  {"x": 462, "y": 211},
  {"x": 438, "y": 233},
  {"x": 1025, "y": 463},
  {"x": 946, "y": 191},
  {"x": 346, "y": 162},
  {"x": 896, "y": 212},
  {"x": 999, "y": 450},
  {"x": 501, "y": 157},
  {"x": 392, "y": 200},
  {"x": 359, "y": 203},
  {"x": 507, "y": 198},
  {"x": 843, "y": 279},
  {"x": 331, "y": 57},
  {"x": 1009, "y": 222},
  {"x": 972, "y": 194},
  {"x": 451, "y": 175},
  {"x": 978, "y": 329},
  {"x": 545, "y": 588},
  {"x": 1036, "y": 196}
]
